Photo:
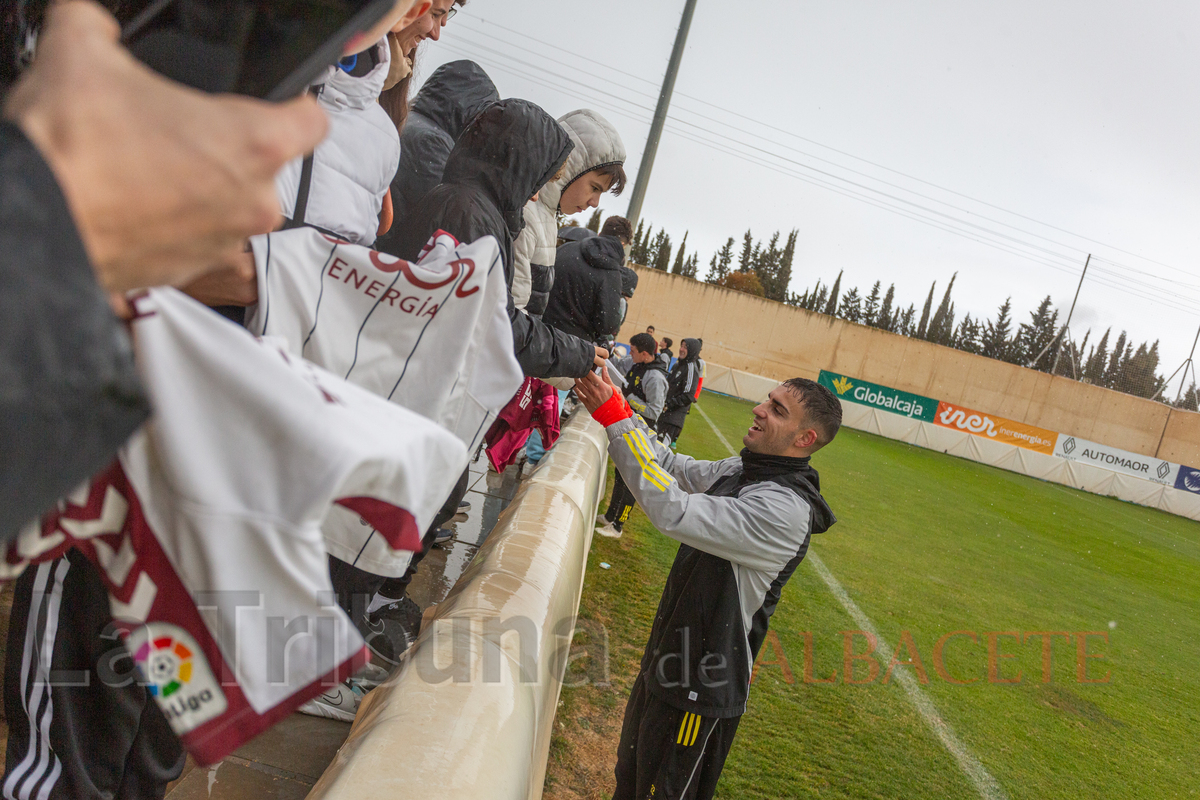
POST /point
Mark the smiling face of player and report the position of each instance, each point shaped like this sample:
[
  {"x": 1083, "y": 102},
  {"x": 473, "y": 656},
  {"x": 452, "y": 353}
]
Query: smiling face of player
[{"x": 780, "y": 427}]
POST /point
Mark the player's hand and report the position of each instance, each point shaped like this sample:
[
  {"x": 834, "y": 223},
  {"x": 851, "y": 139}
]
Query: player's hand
[
  {"x": 594, "y": 391},
  {"x": 164, "y": 182}
]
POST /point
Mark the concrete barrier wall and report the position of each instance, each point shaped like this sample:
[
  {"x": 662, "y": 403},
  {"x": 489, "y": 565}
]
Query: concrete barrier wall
[
  {"x": 778, "y": 341},
  {"x": 470, "y": 713}
]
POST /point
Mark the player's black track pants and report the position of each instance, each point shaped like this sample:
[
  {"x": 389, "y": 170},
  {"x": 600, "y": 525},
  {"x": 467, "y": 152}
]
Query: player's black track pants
[
  {"x": 72, "y": 733},
  {"x": 669, "y": 754},
  {"x": 621, "y": 504}
]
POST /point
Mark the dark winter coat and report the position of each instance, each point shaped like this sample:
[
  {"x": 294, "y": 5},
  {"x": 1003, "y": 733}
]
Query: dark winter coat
[
  {"x": 586, "y": 298},
  {"x": 504, "y": 155},
  {"x": 574, "y": 233},
  {"x": 454, "y": 94},
  {"x": 682, "y": 384},
  {"x": 69, "y": 391}
]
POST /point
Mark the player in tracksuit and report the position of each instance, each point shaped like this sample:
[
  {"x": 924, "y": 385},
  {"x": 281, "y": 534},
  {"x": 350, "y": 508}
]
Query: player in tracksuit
[
  {"x": 646, "y": 386},
  {"x": 744, "y": 525}
]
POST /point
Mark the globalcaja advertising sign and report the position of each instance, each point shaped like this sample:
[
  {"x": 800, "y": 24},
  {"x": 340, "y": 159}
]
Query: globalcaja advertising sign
[
  {"x": 997, "y": 429},
  {"x": 1073, "y": 448},
  {"x": 882, "y": 397}
]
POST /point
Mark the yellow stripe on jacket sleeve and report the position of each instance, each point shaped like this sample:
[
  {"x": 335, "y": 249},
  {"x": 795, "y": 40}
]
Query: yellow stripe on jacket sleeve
[
  {"x": 650, "y": 470},
  {"x": 648, "y": 461}
]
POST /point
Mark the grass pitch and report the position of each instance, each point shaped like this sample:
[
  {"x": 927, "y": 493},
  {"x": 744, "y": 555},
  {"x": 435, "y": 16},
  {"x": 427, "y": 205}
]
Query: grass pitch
[{"x": 933, "y": 549}]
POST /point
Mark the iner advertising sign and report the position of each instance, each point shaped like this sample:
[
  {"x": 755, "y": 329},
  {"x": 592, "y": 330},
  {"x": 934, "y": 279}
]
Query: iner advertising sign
[
  {"x": 995, "y": 428},
  {"x": 882, "y": 397}
]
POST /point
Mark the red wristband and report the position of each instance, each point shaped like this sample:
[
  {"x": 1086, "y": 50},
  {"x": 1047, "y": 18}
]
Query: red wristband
[{"x": 613, "y": 410}]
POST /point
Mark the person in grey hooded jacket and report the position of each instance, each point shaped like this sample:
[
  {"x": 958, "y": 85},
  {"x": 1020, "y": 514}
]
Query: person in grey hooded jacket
[{"x": 595, "y": 166}]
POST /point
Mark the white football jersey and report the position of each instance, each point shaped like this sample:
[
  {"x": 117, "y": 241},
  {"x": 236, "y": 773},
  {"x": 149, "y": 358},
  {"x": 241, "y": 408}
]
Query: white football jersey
[
  {"x": 208, "y": 529},
  {"x": 433, "y": 336}
]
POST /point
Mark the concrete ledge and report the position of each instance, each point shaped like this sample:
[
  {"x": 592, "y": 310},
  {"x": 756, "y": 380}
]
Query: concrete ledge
[{"x": 470, "y": 713}]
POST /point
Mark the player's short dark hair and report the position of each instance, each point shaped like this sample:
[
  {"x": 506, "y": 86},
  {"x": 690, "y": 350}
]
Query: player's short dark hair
[
  {"x": 821, "y": 406},
  {"x": 668, "y": 341},
  {"x": 644, "y": 342},
  {"x": 618, "y": 227},
  {"x": 649, "y": 328}
]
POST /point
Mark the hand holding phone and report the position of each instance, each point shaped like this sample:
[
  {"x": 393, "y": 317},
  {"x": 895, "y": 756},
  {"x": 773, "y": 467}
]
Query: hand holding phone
[{"x": 270, "y": 49}]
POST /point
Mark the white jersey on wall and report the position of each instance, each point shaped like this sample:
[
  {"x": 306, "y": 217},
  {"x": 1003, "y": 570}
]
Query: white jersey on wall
[{"x": 207, "y": 531}]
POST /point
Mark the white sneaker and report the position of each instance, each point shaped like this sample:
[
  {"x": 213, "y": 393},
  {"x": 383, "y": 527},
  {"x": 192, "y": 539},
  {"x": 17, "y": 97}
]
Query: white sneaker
[
  {"x": 609, "y": 530},
  {"x": 339, "y": 702},
  {"x": 600, "y": 520}
]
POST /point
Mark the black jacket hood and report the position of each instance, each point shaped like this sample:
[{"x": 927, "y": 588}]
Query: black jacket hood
[
  {"x": 693, "y": 348},
  {"x": 603, "y": 252},
  {"x": 629, "y": 282},
  {"x": 454, "y": 94},
  {"x": 509, "y": 151}
]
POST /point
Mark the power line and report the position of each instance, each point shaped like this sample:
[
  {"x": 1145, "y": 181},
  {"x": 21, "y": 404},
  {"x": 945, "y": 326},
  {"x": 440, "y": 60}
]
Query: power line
[
  {"x": 946, "y": 224},
  {"x": 792, "y": 134}
]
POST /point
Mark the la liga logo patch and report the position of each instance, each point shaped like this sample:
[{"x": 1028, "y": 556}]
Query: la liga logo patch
[
  {"x": 177, "y": 675},
  {"x": 166, "y": 663}
]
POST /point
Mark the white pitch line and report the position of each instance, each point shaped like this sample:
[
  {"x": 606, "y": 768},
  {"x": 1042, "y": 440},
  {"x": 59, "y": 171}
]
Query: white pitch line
[{"x": 987, "y": 786}]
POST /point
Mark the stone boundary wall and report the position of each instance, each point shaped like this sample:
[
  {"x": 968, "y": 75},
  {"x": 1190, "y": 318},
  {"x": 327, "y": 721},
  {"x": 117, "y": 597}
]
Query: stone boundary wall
[{"x": 763, "y": 337}]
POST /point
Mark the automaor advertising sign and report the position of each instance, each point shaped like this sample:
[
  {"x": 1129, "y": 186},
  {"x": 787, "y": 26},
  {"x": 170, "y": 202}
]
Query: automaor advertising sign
[
  {"x": 998, "y": 429},
  {"x": 1073, "y": 448},
  {"x": 881, "y": 397}
]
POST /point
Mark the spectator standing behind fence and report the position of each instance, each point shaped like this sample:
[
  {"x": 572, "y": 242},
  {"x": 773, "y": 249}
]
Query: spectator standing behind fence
[
  {"x": 504, "y": 156},
  {"x": 645, "y": 391},
  {"x": 595, "y": 166},
  {"x": 585, "y": 300},
  {"x": 744, "y": 524},
  {"x": 452, "y": 96},
  {"x": 683, "y": 390}
]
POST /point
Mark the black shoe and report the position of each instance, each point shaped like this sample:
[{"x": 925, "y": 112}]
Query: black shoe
[
  {"x": 442, "y": 537},
  {"x": 392, "y": 629},
  {"x": 463, "y": 507}
]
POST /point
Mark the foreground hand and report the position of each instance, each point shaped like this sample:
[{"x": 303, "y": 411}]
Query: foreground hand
[
  {"x": 232, "y": 284},
  {"x": 594, "y": 391},
  {"x": 163, "y": 181},
  {"x": 600, "y": 359}
]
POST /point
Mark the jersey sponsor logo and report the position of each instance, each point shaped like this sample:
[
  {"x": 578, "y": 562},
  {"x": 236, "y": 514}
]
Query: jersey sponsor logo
[
  {"x": 457, "y": 266},
  {"x": 177, "y": 675}
]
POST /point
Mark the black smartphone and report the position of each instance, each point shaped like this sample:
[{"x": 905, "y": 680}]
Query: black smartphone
[{"x": 270, "y": 49}]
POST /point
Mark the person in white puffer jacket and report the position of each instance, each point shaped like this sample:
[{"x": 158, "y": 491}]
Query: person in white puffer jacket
[
  {"x": 595, "y": 166},
  {"x": 353, "y": 167}
]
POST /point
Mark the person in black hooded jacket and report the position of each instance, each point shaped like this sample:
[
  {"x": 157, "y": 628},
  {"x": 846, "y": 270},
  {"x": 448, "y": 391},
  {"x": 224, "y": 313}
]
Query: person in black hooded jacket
[
  {"x": 508, "y": 152},
  {"x": 454, "y": 94},
  {"x": 683, "y": 384},
  {"x": 586, "y": 298}
]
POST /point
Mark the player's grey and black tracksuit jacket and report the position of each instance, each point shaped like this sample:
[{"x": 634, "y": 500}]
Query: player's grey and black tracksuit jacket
[
  {"x": 744, "y": 525},
  {"x": 645, "y": 390}
]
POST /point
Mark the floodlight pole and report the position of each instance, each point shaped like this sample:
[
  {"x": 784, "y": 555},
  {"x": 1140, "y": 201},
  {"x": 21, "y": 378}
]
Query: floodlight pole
[
  {"x": 1058, "y": 350},
  {"x": 660, "y": 116}
]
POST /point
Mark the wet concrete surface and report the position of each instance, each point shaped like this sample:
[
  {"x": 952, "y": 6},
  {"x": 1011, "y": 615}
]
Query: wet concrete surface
[{"x": 287, "y": 760}]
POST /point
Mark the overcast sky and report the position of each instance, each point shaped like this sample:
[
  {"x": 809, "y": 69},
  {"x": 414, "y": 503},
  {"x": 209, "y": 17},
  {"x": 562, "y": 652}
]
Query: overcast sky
[{"x": 1049, "y": 129}]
